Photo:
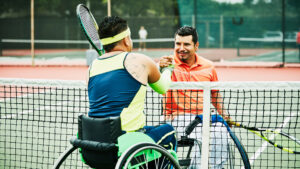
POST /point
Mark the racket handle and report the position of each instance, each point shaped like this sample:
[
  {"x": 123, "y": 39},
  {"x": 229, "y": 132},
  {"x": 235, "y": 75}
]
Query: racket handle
[
  {"x": 230, "y": 122},
  {"x": 192, "y": 125}
]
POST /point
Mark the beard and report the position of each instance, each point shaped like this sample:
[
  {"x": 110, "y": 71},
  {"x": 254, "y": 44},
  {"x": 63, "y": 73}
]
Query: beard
[{"x": 183, "y": 55}]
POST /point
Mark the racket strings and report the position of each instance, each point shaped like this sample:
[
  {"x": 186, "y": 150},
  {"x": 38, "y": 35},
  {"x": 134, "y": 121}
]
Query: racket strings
[
  {"x": 283, "y": 140},
  {"x": 90, "y": 27}
]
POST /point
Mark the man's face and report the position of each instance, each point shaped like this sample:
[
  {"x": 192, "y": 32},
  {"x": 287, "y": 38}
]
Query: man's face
[{"x": 185, "y": 47}]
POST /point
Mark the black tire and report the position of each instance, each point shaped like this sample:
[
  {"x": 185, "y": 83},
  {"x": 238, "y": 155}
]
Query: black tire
[
  {"x": 63, "y": 157},
  {"x": 129, "y": 157}
]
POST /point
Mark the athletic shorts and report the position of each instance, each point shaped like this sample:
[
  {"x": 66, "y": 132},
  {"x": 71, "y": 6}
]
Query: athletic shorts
[{"x": 163, "y": 135}]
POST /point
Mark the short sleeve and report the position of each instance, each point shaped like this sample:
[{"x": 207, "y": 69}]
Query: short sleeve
[{"x": 214, "y": 75}]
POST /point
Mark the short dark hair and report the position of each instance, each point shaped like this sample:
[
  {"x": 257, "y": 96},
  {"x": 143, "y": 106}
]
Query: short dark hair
[
  {"x": 187, "y": 31},
  {"x": 109, "y": 27}
]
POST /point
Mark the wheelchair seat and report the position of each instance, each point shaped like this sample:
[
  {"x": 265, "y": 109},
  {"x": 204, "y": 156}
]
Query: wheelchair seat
[{"x": 103, "y": 130}]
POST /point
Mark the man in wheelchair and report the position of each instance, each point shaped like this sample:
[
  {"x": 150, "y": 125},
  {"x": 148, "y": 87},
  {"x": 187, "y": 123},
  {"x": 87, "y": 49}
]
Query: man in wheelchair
[{"x": 117, "y": 83}]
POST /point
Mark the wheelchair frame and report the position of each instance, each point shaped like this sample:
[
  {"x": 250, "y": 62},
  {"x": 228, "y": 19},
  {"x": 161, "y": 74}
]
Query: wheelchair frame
[
  {"x": 140, "y": 145},
  {"x": 149, "y": 150}
]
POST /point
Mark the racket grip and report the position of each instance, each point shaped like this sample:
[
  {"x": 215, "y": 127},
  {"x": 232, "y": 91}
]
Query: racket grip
[
  {"x": 192, "y": 125},
  {"x": 232, "y": 123}
]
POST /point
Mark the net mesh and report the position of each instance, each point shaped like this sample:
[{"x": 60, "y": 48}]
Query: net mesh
[
  {"x": 39, "y": 117},
  {"x": 264, "y": 108}
]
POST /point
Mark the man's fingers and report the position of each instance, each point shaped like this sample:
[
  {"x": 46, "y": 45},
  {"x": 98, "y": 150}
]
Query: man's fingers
[
  {"x": 170, "y": 58},
  {"x": 165, "y": 61}
]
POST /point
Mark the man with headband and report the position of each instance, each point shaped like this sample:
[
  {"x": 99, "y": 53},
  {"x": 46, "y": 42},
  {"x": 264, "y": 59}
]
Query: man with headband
[{"x": 118, "y": 82}]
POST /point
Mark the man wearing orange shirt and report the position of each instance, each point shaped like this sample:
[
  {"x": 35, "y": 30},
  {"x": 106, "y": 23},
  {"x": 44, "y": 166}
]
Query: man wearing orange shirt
[{"x": 181, "y": 106}]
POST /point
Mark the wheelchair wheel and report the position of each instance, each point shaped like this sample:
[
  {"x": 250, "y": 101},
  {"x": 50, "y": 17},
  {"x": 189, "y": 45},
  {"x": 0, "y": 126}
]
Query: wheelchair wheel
[
  {"x": 63, "y": 157},
  {"x": 147, "y": 155}
]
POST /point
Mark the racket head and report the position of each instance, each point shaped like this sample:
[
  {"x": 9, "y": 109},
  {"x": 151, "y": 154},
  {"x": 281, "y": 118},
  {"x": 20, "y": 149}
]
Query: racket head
[
  {"x": 89, "y": 27},
  {"x": 238, "y": 145},
  {"x": 282, "y": 140}
]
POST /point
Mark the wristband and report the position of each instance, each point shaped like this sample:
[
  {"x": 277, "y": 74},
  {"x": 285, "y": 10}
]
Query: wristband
[{"x": 162, "y": 85}]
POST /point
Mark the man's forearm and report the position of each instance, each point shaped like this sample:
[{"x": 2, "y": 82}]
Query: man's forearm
[{"x": 217, "y": 101}]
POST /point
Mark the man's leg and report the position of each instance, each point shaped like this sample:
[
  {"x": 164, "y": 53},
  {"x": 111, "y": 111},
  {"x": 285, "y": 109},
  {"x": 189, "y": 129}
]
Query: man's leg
[
  {"x": 219, "y": 146},
  {"x": 219, "y": 141},
  {"x": 180, "y": 123},
  {"x": 144, "y": 46},
  {"x": 140, "y": 46},
  {"x": 163, "y": 135}
]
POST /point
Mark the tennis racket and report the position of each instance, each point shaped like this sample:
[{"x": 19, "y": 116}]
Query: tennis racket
[
  {"x": 217, "y": 118},
  {"x": 277, "y": 137},
  {"x": 89, "y": 27}
]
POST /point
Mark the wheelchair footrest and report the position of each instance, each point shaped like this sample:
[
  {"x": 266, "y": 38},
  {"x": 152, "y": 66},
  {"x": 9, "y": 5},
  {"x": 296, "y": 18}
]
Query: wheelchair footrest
[
  {"x": 185, "y": 162},
  {"x": 185, "y": 142}
]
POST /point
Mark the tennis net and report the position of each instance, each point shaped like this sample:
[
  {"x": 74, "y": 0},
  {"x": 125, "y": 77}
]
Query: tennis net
[{"x": 38, "y": 117}]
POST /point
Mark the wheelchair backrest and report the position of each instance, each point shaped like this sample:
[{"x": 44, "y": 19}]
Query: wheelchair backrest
[{"x": 105, "y": 130}]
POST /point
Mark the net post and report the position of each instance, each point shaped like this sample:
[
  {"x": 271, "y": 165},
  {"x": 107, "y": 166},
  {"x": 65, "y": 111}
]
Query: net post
[
  {"x": 238, "y": 47},
  {"x": 206, "y": 125},
  {"x": 221, "y": 31},
  {"x": 32, "y": 31},
  {"x": 283, "y": 33},
  {"x": 109, "y": 8},
  {"x": 0, "y": 47}
]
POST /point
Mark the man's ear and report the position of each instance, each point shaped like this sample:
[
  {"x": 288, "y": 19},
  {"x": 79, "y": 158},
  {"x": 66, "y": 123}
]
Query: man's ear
[
  {"x": 127, "y": 41},
  {"x": 197, "y": 45}
]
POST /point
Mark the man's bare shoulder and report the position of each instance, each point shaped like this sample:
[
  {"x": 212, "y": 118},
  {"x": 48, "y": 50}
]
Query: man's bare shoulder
[
  {"x": 133, "y": 54},
  {"x": 140, "y": 58},
  {"x": 137, "y": 66}
]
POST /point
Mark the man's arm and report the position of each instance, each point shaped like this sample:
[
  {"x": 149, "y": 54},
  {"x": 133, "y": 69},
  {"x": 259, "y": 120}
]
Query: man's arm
[
  {"x": 144, "y": 69},
  {"x": 217, "y": 101},
  {"x": 161, "y": 85}
]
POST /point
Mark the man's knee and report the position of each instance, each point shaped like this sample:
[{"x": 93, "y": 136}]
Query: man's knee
[
  {"x": 163, "y": 135},
  {"x": 168, "y": 140}
]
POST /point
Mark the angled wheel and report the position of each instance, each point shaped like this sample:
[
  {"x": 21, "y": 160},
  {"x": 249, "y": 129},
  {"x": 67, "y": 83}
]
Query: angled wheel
[
  {"x": 63, "y": 157},
  {"x": 147, "y": 155}
]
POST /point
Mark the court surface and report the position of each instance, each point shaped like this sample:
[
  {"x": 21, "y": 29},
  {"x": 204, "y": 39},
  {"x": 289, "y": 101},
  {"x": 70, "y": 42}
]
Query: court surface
[{"x": 75, "y": 68}]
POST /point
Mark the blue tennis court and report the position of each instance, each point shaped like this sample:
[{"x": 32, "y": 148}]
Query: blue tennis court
[{"x": 291, "y": 56}]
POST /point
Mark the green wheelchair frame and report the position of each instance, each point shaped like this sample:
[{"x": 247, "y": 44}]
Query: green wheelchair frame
[{"x": 134, "y": 150}]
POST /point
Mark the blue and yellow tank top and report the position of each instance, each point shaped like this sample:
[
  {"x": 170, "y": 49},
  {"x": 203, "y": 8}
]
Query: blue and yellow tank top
[{"x": 113, "y": 91}]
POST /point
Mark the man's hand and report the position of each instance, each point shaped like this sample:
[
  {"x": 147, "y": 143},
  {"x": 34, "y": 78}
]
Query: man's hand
[
  {"x": 227, "y": 119},
  {"x": 165, "y": 61},
  {"x": 168, "y": 117}
]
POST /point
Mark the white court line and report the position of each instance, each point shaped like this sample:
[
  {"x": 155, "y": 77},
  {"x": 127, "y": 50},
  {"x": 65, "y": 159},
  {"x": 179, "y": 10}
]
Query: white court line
[
  {"x": 39, "y": 108},
  {"x": 264, "y": 113},
  {"x": 25, "y": 96},
  {"x": 14, "y": 115},
  {"x": 9, "y": 98},
  {"x": 265, "y": 144},
  {"x": 276, "y": 56}
]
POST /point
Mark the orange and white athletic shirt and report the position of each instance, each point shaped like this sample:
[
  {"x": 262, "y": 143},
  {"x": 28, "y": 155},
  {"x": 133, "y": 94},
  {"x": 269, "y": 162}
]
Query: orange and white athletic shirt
[{"x": 188, "y": 101}]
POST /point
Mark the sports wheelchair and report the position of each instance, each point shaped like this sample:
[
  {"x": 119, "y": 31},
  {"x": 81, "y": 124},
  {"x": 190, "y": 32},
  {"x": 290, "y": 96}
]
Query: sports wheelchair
[{"x": 102, "y": 144}]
